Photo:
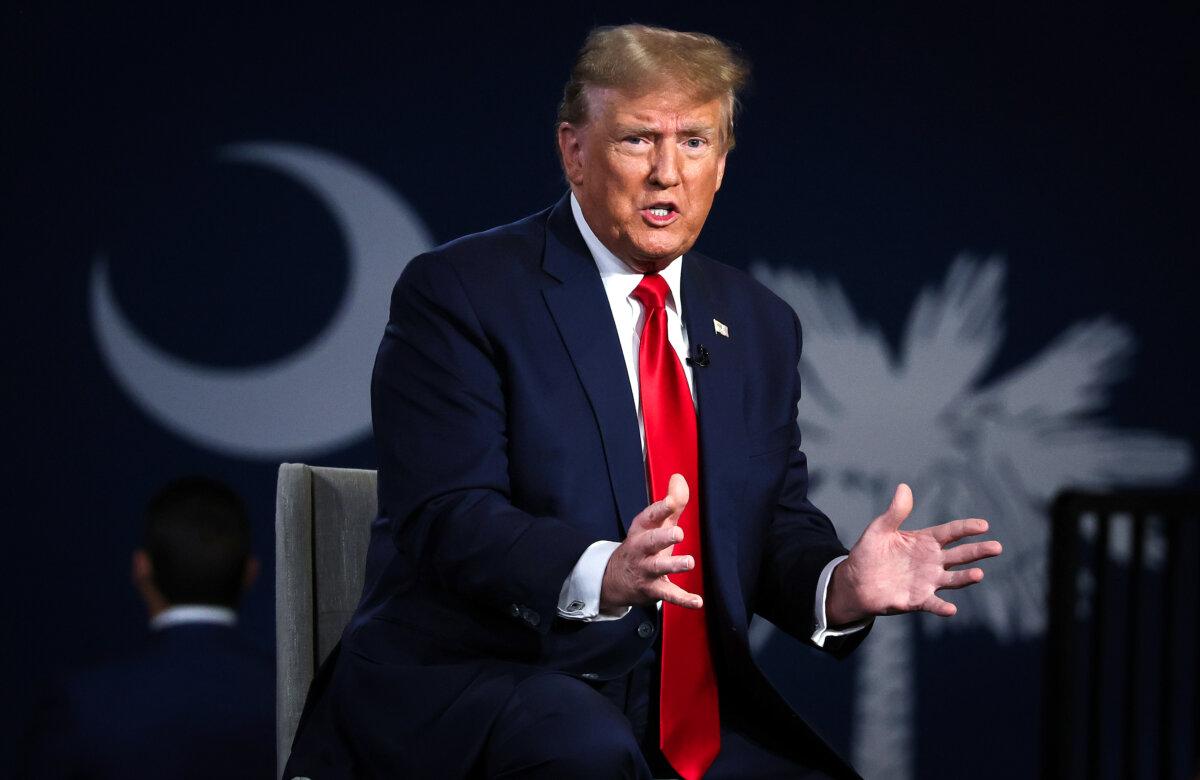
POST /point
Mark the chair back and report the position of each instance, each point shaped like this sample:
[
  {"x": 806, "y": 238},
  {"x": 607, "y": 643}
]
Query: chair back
[
  {"x": 322, "y": 527},
  {"x": 1121, "y": 689}
]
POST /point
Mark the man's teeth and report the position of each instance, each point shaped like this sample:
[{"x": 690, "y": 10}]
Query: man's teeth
[{"x": 658, "y": 212}]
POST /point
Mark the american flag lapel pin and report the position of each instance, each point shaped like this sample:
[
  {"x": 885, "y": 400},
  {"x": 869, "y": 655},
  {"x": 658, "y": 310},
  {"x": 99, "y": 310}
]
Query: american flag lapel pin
[{"x": 721, "y": 328}]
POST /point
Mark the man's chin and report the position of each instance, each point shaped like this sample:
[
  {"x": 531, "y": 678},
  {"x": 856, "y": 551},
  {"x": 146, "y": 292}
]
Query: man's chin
[
  {"x": 649, "y": 264},
  {"x": 656, "y": 256}
]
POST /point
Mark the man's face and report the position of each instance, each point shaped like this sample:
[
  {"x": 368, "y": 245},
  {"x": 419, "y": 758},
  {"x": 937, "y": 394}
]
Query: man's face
[{"x": 645, "y": 168}]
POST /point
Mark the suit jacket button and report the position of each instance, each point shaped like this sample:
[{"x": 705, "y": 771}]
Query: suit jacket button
[
  {"x": 531, "y": 617},
  {"x": 645, "y": 629},
  {"x": 514, "y": 610}
]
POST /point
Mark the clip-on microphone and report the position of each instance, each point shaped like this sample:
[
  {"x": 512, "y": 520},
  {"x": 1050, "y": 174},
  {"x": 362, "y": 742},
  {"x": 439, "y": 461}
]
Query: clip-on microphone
[{"x": 701, "y": 358}]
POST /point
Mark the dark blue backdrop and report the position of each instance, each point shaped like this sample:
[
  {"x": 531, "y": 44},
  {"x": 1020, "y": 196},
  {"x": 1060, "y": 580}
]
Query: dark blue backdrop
[{"x": 877, "y": 143}]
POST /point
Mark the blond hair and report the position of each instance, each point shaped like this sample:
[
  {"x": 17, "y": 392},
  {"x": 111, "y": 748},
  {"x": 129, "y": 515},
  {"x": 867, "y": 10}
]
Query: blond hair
[{"x": 638, "y": 57}]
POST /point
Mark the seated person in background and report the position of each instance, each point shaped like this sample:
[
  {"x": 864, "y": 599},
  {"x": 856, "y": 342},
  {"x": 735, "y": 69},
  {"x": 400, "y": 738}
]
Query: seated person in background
[{"x": 198, "y": 700}]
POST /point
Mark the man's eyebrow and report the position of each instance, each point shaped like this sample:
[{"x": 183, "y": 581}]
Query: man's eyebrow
[
  {"x": 637, "y": 130},
  {"x": 698, "y": 129}
]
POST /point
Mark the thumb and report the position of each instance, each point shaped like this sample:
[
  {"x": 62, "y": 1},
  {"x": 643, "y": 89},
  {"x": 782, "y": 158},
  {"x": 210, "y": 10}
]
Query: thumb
[
  {"x": 677, "y": 497},
  {"x": 665, "y": 512},
  {"x": 899, "y": 510}
]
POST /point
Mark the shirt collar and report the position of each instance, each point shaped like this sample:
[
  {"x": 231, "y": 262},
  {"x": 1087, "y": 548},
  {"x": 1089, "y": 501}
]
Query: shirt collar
[
  {"x": 619, "y": 279},
  {"x": 193, "y": 613}
]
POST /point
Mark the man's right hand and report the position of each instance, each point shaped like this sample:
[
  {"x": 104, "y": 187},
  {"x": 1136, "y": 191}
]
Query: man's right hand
[{"x": 637, "y": 570}]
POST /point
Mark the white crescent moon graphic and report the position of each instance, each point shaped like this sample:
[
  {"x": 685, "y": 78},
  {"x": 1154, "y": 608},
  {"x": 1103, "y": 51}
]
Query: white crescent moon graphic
[{"x": 311, "y": 401}]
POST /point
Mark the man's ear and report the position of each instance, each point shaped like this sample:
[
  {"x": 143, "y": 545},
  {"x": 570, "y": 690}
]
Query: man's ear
[
  {"x": 141, "y": 570},
  {"x": 570, "y": 150},
  {"x": 721, "y": 167},
  {"x": 251, "y": 573},
  {"x": 142, "y": 574}
]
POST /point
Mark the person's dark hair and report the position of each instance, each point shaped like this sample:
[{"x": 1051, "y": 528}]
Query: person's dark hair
[{"x": 198, "y": 541}]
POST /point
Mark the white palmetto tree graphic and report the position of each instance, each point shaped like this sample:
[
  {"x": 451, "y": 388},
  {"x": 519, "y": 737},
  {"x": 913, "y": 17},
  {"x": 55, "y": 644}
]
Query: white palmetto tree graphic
[{"x": 1000, "y": 450}]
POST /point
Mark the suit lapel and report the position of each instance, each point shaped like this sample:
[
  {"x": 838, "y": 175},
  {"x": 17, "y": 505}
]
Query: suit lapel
[
  {"x": 581, "y": 312},
  {"x": 722, "y": 426}
]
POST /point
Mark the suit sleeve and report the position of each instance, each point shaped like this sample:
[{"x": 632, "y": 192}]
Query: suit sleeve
[
  {"x": 439, "y": 412},
  {"x": 801, "y": 541}
]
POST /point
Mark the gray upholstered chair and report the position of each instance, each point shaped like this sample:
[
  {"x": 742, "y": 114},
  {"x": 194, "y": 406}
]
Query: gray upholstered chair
[{"x": 322, "y": 526}]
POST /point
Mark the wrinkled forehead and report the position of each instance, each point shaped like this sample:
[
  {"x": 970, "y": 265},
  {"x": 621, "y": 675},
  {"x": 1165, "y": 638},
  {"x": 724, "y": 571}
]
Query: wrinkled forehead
[{"x": 667, "y": 102}]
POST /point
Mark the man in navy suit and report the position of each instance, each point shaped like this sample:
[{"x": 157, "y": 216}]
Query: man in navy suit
[
  {"x": 198, "y": 700},
  {"x": 543, "y": 598}
]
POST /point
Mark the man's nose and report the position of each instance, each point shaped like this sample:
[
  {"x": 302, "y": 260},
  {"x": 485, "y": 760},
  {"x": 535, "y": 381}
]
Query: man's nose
[{"x": 664, "y": 168}]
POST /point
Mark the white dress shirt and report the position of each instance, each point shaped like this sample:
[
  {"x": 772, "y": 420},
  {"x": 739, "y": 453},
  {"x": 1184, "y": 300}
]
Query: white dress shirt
[
  {"x": 580, "y": 595},
  {"x": 193, "y": 613}
]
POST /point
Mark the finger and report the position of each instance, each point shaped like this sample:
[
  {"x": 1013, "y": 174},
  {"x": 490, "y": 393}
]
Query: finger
[
  {"x": 969, "y": 553},
  {"x": 900, "y": 508},
  {"x": 668, "y": 591},
  {"x": 653, "y": 516},
  {"x": 671, "y": 564},
  {"x": 961, "y": 579},
  {"x": 948, "y": 533},
  {"x": 667, "y": 510},
  {"x": 656, "y": 540},
  {"x": 939, "y": 607}
]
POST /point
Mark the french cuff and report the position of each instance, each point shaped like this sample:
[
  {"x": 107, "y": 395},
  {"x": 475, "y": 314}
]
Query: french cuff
[
  {"x": 823, "y": 631},
  {"x": 579, "y": 598}
]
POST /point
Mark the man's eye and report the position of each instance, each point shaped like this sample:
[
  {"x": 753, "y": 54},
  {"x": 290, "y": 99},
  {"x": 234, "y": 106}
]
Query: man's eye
[
  {"x": 633, "y": 139},
  {"x": 695, "y": 143}
]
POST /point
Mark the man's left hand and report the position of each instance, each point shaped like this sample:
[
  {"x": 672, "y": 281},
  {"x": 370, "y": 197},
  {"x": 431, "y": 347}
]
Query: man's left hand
[{"x": 890, "y": 571}]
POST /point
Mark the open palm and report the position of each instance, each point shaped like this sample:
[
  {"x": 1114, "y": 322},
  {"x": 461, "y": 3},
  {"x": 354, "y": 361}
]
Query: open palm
[{"x": 890, "y": 570}]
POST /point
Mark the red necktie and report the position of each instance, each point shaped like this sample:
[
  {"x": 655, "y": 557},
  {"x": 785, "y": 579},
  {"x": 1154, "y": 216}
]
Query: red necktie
[{"x": 689, "y": 723}]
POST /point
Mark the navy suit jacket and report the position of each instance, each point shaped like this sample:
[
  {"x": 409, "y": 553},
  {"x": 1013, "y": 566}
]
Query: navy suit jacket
[
  {"x": 508, "y": 442},
  {"x": 197, "y": 702}
]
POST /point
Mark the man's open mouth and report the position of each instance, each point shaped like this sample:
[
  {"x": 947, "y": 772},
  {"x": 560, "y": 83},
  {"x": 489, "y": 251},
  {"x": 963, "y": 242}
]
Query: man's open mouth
[{"x": 659, "y": 214}]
